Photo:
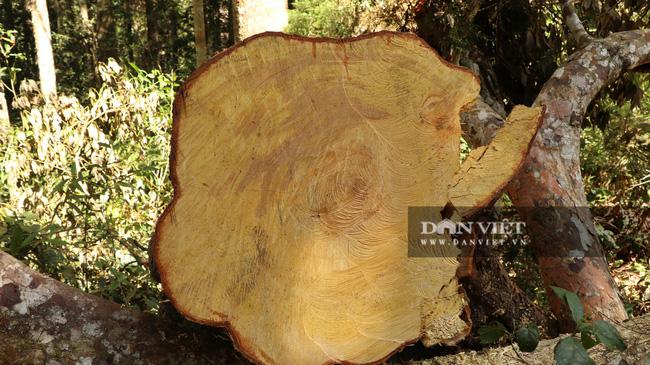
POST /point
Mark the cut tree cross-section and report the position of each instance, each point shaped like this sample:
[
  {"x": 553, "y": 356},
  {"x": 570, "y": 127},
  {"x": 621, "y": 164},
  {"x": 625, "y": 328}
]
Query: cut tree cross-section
[{"x": 294, "y": 162}]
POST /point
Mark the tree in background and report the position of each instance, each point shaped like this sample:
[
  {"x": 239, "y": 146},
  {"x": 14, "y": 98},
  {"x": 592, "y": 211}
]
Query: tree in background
[
  {"x": 43, "y": 42},
  {"x": 258, "y": 16},
  {"x": 148, "y": 33},
  {"x": 199, "y": 31}
]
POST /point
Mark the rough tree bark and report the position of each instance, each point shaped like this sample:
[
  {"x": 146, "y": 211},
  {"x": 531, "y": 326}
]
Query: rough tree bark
[
  {"x": 572, "y": 259},
  {"x": 43, "y": 321},
  {"x": 565, "y": 240},
  {"x": 574, "y": 24},
  {"x": 43, "y": 42}
]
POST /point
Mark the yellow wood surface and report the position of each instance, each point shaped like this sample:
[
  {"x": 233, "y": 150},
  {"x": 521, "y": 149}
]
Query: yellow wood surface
[
  {"x": 488, "y": 169},
  {"x": 294, "y": 163}
]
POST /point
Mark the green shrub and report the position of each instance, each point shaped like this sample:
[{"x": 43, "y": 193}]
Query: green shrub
[
  {"x": 325, "y": 18},
  {"x": 81, "y": 186},
  {"x": 616, "y": 168}
]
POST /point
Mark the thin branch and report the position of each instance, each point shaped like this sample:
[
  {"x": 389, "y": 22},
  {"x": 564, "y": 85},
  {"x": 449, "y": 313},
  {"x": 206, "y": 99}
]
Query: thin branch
[{"x": 574, "y": 24}]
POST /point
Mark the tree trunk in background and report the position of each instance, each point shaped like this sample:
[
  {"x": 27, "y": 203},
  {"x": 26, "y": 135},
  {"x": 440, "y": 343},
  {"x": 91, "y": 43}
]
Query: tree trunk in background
[
  {"x": 233, "y": 24},
  {"x": 43, "y": 42},
  {"x": 199, "y": 32},
  {"x": 258, "y": 16},
  {"x": 153, "y": 39},
  {"x": 105, "y": 31},
  {"x": 8, "y": 14},
  {"x": 173, "y": 36},
  {"x": 4, "y": 117},
  {"x": 91, "y": 39},
  {"x": 214, "y": 25},
  {"x": 83, "y": 10},
  {"x": 55, "y": 15},
  {"x": 128, "y": 29}
]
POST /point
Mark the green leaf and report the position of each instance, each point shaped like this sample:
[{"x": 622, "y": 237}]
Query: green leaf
[
  {"x": 527, "y": 338},
  {"x": 608, "y": 335},
  {"x": 60, "y": 186},
  {"x": 492, "y": 333},
  {"x": 569, "y": 351},
  {"x": 587, "y": 339},
  {"x": 572, "y": 300}
]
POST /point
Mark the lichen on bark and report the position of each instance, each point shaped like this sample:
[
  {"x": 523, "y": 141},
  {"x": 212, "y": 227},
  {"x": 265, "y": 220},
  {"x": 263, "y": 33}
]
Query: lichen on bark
[{"x": 43, "y": 321}]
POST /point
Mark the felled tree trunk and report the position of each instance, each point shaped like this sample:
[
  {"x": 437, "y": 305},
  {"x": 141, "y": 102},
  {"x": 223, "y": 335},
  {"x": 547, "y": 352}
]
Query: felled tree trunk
[
  {"x": 294, "y": 164},
  {"x": 43, "y": 320}
]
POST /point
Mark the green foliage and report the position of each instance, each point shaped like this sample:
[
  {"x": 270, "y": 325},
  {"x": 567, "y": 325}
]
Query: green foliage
[
  {"x": 572, "y": 300},
  {"x": 527, "y": 338},
  {"x": 587, "y": 339},
  {"x": 9, "y": 59},
  {"x": 325, "y": 18},
  {"x": 615, "y": 158},
  {"x": 492, "y": 333},
  {"x": 569, "y": 351},
  {"x": 573, "y": 351},
  {"x": 82, "y": 185},
  {"x": 608, "y": 335}
]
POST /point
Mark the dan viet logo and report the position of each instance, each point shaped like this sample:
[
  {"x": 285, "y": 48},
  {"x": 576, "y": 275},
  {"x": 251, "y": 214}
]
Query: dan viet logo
[
  {"x": 450, "y": 227},
  {"x": 428, "y": 236}
]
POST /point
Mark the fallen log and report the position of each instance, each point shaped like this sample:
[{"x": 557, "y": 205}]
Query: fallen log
[{"x": 43, "y": 321}]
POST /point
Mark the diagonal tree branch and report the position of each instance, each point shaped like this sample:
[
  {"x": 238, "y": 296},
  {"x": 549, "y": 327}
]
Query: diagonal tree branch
[
  {"x": 574, "y": 24},
  {"x": 551, "y": 175}
]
